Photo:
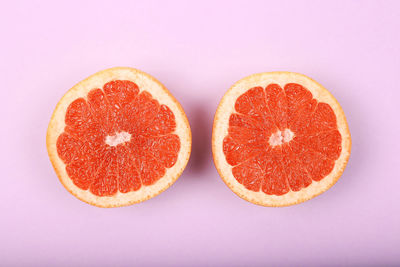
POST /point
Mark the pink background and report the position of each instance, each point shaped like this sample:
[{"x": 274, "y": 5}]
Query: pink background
[{"x": 198, "y": 50}]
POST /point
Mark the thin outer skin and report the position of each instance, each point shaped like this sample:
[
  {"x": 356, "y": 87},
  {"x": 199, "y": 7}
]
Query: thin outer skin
[
  {"x": 295, "y": 201},
  {"x": 58, "y": 172}
]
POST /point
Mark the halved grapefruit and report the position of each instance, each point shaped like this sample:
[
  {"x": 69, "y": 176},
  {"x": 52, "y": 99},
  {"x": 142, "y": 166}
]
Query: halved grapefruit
[
  {"x": 279, "y": 139},
  {"x": 117, "y": 138}
]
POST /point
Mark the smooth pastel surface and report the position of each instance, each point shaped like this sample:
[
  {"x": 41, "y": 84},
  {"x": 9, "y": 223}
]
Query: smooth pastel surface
[{"x": 198, "y": 50}]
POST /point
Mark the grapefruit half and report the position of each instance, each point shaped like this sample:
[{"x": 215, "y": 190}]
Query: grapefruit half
[
  {"x": 279, "y": 139},
  {"x": 118, "y": 138}
]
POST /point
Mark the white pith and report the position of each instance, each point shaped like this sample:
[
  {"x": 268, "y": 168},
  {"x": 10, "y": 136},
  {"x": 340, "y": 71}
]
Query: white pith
[
  {"x": 118, "y": 138},
  {"x": 279, "y": 137}
]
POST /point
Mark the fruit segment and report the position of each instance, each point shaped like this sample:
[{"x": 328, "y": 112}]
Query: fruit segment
[
  {"x": 281, "y": 139},
  {"x": 117, "y": 139}
]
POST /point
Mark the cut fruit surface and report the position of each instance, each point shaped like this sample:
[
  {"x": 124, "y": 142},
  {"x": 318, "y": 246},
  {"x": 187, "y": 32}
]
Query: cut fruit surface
[
  {"x": 279, "y": 138},
  {"x": 117, "y": 138}
]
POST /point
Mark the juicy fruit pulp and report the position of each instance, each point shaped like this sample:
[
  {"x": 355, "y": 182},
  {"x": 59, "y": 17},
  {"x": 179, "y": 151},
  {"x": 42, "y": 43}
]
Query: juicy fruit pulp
[
  {"x": 281, "y": 139},
  {"x": 117, "y": 139}
]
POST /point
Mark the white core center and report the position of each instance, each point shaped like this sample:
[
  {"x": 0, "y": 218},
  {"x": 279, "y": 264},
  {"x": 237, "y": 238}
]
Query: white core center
[
  {"x": 118, "y": 138},
  {"x": 278, "y": 138}
]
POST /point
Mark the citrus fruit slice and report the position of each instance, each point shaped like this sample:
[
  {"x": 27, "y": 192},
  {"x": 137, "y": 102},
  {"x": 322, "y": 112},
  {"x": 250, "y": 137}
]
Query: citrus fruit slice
[
  {"x": 117, "y": 138},
  {"x": 279, "y": 139}
]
